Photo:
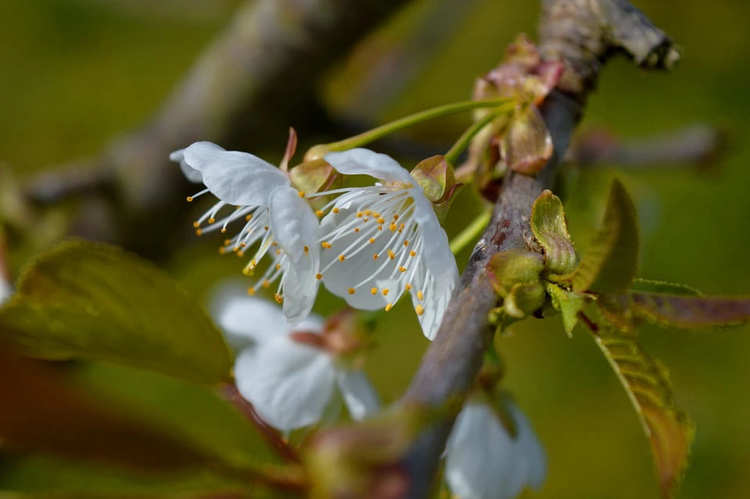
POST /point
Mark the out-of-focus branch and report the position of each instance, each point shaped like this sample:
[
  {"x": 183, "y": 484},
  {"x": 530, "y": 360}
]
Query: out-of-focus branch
[
  {"x": 258, "y": 76},
  {"x": 695, "y": 145},
  {"x": 581, "y": 34}
]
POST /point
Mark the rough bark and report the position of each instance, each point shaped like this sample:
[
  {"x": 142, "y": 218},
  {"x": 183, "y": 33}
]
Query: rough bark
[{"x": 582, "y": 34}]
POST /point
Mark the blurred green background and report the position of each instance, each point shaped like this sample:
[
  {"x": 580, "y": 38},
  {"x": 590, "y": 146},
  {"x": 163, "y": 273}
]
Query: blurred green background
[{"x": 78, "y": 72}]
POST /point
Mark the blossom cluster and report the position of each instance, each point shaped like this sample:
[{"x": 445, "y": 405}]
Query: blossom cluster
[{"x": 369, "y": 245}]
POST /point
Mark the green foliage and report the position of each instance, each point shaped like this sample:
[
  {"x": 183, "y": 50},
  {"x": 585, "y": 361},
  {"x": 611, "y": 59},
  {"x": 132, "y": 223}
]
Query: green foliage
[
  {"x": 689, "y": 311},
  {"x": 93, "y": 301},
  {"x": 551, "y": 230},
  {"x": 649, "y": 390},
  {"x": 568, "y": 303},
  {"x": 610, "y": 263}
]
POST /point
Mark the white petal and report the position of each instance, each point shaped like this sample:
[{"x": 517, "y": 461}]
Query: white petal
[
  {"x": 289, "y": 384},
  {"x": 479, "y": 456},
  {"x": 295, "y": 228},
  {"x": 5, "y": 290},
  {"x": 190, "y": 173},
  {"x": 533, "y": 460},
  {"x": 359, "y": 395},
  {"x": 366, "y": 162},
  {"x": 246, "y": 320},
  {"x": 237, "y": 178}
]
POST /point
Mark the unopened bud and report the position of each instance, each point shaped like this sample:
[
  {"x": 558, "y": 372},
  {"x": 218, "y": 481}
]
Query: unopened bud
[
  {"x": 436, "y": 177},
  {"x": 512, "y": 267},
  {"x": 312, "y": 176}
]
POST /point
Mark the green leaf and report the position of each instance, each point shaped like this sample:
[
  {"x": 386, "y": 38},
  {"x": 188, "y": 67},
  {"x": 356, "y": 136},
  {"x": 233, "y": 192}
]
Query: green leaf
[
  {"x": 94, "y": 301},
  {"x": 690, "y": 311},
  {"x": 671, "y": 288},
  {"x": 647, "y": 385},
  {"x": 610, "y": 263},
  {"x": 568, "y": 303},
  {"x": 508, "y": 268},
  {"x": 551, "y": 230}
]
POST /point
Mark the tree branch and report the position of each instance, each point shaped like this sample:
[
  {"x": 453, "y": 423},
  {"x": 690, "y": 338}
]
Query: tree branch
[
  {"x": 259, "y": 75},
  {"x": 695, "y": 145},
  {"x": 582, "y": 34}
]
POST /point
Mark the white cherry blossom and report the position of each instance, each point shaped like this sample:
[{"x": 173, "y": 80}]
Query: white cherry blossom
[
  {"x": 290, "y": 383},
  {"x": 483, "y": 461},
  {"x": 382, "y": 240},
  {"x": 272, "y": 214}
]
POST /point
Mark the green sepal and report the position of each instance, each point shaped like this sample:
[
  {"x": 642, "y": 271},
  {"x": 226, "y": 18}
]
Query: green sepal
[
  {"x": 610, "y": 263},
  {"x": 568, "y": 303},
  {"x": 551, "y": 230},
  {"x": 312, "y": 176},
  {"x": 524, "y": 299},
  {"x": 436, "y": 178}
]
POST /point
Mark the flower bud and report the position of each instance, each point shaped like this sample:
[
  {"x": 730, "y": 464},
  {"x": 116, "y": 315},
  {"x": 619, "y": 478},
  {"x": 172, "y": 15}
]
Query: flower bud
[
  {"x": 512, "y": 267},
  {"x": 312, "y": 176},
  {"x": 436, "y": 177}
]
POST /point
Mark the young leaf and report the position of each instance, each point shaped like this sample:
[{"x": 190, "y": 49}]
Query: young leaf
[
  {"x": 94, "y": 301},
  {"x": 568, "y": 303},
  {"x": 690, "y": 311},
  {"x": 527, "y": 145},
  {"x": 610, "y": 263},
  {"x": 551, "y": 230},
  {"x": 671, "y": 288},
  {"x": 647, "y": 385}
]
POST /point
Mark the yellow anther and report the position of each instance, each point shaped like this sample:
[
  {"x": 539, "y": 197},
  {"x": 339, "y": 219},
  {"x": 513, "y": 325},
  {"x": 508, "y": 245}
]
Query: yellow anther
[
  {"x": 402, "y": 269},
  {"x": 375, "y": 256},
  {"x": 198, "y": 232},
  {"x": 420, "y": 295},
  {"x": 196, "y": 224},
  {"x": 381, "y": 220},
  {"x": 412, "y": 253},
  {"x": 223, "y": 230},
  {"x": 388, "y": 307},
  {"x": 242, "y": 245},
  {"x": 359, "y": 214},
  {"x": 366, "y": 219},
  {"x": 278, "y": 251},
  {"x": 265, "y": 283},
  {"x": 301, "y": 193},
  {"x": 408, "y": 286},
  {"x": 335, "y": 210},
  {"x": 325, "y": 244},
  {"x": 385, "y": 291},
  {"x": 274, "y": 244},
  {"x": 356, "y": 229},
  {"x": 251, "y": 291},
  {"x": 376, "y": 214},
  {"x": 391, "y": 254},
  {"x": 380, "y": 227},
  {"x": 319, "y": 276},
  {"x": 249, "y": 217},
  {"x": 374, "y": 291},
  {"x": 240, "y": 253},
  {"x": 372, "y": 240},
  {"x": 342, "y": 258},
  {"x": 351, "y": 291},
  {"x": 319, "y": 213},
  {"x": 368, "y": 212},
  {"x": 392, "y": 227},
  {"x": 306, "y": 249},
  {"x": 278, "y": 266},
  {"x": 419, "y": 309},
  {"x": 211, "y": 220},
  {"x": 406, "y": 243},
  {"x": 265, "y": 227},
  {"x": 222, "y": 250},
  {"x": 189, "y": 199},
  {"x": 395, "y": 216},
  {"x": 227, "y": 242},
  {"x": 279, "y": 299}
]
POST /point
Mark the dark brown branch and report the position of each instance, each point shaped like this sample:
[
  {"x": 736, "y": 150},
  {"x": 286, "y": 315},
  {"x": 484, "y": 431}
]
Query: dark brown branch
[
  {"x": 581, "y": 34},
  {"x": 696, "y": 145}
]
